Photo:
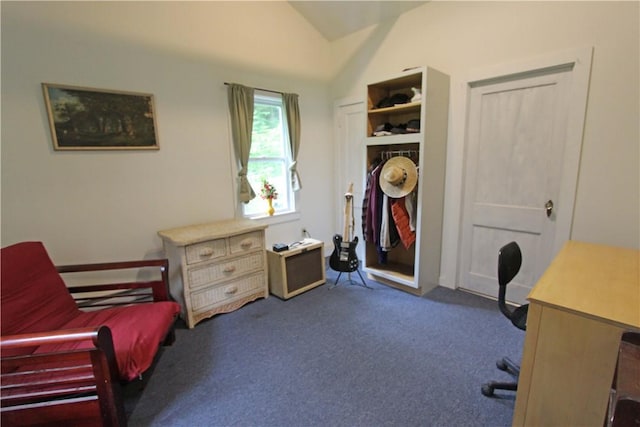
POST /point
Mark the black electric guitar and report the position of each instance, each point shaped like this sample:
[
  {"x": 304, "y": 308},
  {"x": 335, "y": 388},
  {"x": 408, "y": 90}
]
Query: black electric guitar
[{"x": 344, "y": 257}]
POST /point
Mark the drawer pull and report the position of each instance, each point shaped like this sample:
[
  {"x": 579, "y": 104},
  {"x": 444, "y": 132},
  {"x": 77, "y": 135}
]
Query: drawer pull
[
  {"x": 246, "y": 243},
  {"x": 229, "y": 269},
  {"x": 231, "y": 290},
  {"x": 206, "y": 252}
]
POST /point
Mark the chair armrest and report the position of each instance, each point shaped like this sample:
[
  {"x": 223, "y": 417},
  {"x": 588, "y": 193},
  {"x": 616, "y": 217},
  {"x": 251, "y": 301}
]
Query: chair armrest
[
  {"x": 121, "y": 293},
  {"x": 61, "y": 384},
  {"x": 12, "y": 342}
]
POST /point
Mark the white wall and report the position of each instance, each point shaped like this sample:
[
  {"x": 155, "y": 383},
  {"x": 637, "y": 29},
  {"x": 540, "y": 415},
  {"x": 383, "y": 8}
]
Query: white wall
[
  {"x": 99, "y": 206},
  {"x": 89, "y": 206},
  {"x": 459, "y": 37}
]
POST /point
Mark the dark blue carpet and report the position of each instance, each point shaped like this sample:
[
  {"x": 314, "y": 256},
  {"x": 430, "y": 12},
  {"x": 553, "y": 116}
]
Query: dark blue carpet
[{"x": 345, "y": 356}]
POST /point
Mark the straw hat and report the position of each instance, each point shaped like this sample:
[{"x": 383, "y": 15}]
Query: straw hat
[{"x": 398, "y": 177}]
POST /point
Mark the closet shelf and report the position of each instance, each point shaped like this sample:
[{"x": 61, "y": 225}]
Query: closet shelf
[
  {"x": 398, "y": 273},
  {"x": 400, "y": 108},
  {"x": 402, "y": 138}
]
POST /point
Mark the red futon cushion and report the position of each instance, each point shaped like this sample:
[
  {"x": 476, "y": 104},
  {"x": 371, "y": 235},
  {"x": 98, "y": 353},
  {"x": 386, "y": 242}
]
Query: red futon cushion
[
  {"x": 137, "y": 331},
  {"x": 34, "y": 298}
]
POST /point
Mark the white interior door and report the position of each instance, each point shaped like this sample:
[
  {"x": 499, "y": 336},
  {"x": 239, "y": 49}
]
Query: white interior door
[
  {"x": 517, "y": 127},
  {"x": 350, "y": 132}
]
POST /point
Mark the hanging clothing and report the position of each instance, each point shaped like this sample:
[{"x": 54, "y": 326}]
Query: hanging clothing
[
  {"x": 411, "y": 204},
  {"x": 385, "y": 239},
  {"x": 366, "y": 219},
  {"x": 401, "y": 218},
  {"x": 373, "y": 208},
  {"x": 378, "y": 224},
  {"x": 389, "y": 237}
]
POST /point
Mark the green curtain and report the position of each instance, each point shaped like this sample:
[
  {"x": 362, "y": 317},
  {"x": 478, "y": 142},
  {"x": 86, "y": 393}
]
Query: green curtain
[
  {"x": 293, "y": 121},
  {"x": 241, "y": 112}
]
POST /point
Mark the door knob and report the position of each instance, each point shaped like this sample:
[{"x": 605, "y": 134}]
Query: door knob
[{"x": 549, "y": 207}]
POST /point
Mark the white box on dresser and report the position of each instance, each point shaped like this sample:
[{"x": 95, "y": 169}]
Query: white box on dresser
[{"x": 216, "y": 267}]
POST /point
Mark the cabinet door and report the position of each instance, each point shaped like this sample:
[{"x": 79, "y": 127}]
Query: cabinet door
[{"x": 350, "y": 163}]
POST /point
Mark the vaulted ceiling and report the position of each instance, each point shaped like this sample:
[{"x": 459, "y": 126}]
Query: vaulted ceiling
[{"x": 336, "y": 19}]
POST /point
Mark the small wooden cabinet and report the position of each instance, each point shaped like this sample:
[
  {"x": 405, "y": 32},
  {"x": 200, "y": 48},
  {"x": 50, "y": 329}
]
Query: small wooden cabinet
[
  {"x": 296, "y": 270},
  {"x": 216, "y": 267}
]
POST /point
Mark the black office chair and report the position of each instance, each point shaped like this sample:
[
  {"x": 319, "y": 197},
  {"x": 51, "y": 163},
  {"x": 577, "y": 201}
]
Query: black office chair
[
  {"x": 509, "y": 262},
  {"x": 624, "y": 397}
]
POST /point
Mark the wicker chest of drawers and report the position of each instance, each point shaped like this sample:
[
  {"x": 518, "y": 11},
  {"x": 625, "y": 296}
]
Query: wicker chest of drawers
[{"x": 216, "y": 267}]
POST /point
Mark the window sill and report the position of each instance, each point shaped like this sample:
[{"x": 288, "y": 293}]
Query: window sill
[{"x": 277, "y": 218}]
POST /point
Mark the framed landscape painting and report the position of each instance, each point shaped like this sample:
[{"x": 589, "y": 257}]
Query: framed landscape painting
[{"x": 99, "y": 119}]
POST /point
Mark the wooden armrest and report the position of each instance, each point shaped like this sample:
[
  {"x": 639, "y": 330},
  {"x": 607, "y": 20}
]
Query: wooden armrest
[
  {"x": 159, "y": 288},
  {"x": 64, "y": 387},
  {"x": 118, "y": 265},
  {"x": 97, "y": 335}
]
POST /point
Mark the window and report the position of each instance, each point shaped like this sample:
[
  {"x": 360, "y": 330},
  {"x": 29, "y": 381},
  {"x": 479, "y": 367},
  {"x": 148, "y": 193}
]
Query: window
[{"x": 269, "y": 158}]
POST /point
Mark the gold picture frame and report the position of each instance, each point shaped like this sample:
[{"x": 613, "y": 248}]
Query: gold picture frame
[{"x": 83, "y": 118}]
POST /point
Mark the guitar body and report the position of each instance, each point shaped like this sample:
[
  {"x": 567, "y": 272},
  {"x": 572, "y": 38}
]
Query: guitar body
[{"x": 344, "y": 258}]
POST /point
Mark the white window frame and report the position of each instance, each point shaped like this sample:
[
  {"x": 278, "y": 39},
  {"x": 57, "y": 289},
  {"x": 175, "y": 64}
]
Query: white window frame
[{"x": 280, "y": 215}]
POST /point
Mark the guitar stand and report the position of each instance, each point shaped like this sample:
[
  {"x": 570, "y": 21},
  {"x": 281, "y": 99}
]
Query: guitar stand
[{"x": 364, "y": 284}]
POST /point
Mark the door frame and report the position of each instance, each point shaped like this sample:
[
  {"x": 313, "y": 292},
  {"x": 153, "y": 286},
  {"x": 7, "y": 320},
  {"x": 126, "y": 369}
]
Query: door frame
[
  {"x": 580, "y": 59},
  {"x": 339, "y": 186}
]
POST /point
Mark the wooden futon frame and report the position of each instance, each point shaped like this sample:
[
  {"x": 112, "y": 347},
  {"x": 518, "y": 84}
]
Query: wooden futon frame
[{"x": 73, "y": 376}]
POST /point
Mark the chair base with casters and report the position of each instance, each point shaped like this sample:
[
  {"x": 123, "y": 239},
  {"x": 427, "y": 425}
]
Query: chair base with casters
[
  {"x": 509, "y": 262},
  {"x": 507, "y": 365},
  {"x": 624, "y": 397}
]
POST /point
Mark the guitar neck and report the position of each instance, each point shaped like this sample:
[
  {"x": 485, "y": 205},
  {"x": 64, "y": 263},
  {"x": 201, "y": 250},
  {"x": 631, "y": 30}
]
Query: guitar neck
[
  {"x": 346, "y": 235},
  {"x": 348, "y": 214}
]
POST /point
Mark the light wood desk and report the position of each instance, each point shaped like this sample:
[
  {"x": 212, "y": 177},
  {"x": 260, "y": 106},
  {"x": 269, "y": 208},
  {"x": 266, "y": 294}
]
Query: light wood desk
[{"x": 578, "y": 310}]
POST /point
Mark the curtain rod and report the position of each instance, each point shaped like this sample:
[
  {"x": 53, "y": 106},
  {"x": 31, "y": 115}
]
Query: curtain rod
[{"x": 257, "y": 88}]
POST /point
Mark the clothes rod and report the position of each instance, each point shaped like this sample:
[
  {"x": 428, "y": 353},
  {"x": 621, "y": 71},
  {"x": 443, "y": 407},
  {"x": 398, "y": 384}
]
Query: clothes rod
[
  {"x": 407, "y": 153},
  {"x": 257, "y": 88}
]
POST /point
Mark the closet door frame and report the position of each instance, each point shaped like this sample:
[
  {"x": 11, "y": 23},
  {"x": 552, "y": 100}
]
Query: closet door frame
[{"x": 349, "y": 128}]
